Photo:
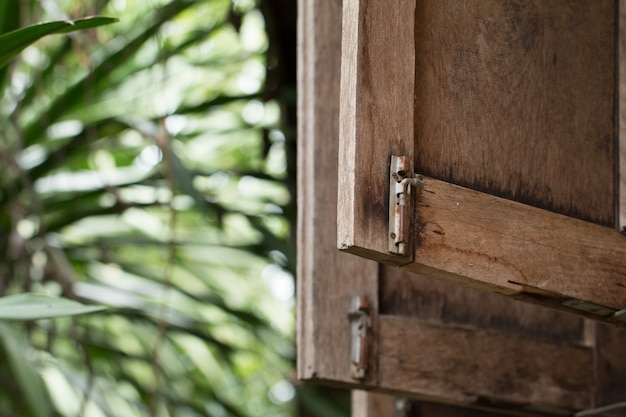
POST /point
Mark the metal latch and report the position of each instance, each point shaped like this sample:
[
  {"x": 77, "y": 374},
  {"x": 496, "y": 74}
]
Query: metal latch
[
  {"x": 359, "y": 318},
  {"x": 401, "y": 181}
]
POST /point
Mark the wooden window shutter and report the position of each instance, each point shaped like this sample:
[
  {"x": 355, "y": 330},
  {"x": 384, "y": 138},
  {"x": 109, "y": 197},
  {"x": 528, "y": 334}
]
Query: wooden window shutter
[
  {"x": 507, "y": 112},
  {"x": 451, "y": 348}
]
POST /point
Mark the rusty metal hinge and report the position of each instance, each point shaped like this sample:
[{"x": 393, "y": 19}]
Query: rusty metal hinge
[
  {"x": 401, "y": 181},
  {"x": 359, "y": 318}
]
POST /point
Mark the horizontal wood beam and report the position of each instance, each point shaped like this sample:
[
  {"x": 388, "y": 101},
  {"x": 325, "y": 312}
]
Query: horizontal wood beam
[
  {"x": 503, "y": 246},
  {"x": 471, "y": 366}
]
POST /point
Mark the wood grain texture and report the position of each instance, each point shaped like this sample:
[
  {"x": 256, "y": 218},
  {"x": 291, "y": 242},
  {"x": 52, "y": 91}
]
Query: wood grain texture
[
  {"x": 427, "y": 360},
  {"x": 372, "y": 404},
  {"x": 421, "y": 298},
  {"x": 610, "y": 348},
  {"x": 422, "y": 409},
  {"x": 405, "y": 294},
  {"x": 327, "y": 278},
  {"x": 499, "y": 245},
  {"x": 376, "y": 118},
  {"x": 517, "y": 99},
  {"x": 471, "y": 367},
  {"x": 621, "y": 142}
]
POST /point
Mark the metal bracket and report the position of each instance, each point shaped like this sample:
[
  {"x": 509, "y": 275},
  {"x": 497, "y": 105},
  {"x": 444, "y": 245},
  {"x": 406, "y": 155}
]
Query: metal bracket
[
  {"x": 401, "y": 181},
  {"x": 359, "y": 317}
]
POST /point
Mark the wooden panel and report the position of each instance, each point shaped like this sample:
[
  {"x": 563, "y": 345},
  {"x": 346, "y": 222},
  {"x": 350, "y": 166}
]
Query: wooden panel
[
  {"x": 421, "y": 409},
  {"x": 611, "y": 366},
  {"x": 473, "y": 367},
  {"x": 546, "y": 115},
  {"x": 376, "y": 117},
  {"x": 621, "y": 223},
  {"x": 437, "y": 362},
  {"x": 410, "y": 295},
  {"x": 327, "y": 279},
  {"x": 405, "y": 294},
  {"x": 499, "y": 245},
  {"x": 516, "y": 99}
]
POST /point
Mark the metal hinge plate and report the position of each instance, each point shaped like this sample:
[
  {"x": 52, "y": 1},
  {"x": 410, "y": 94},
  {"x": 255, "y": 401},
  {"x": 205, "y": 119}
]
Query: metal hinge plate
[
  {"x": 360, "y": 321},
  {"x": 401, "y": 181}
]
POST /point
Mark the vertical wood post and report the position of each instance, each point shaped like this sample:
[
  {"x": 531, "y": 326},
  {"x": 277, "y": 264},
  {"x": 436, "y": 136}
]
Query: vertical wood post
[
  {"x": 328, "y": 280},
  {"x": 621, "y": 118}
]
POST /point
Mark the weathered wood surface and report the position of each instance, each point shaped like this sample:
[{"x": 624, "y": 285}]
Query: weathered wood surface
[
  {"x": 421, "y": 409},
  {"x": 470, "y": 237},
  {"x": 468, "y": 365},
  {"x": 424, "y": 299},
  {"x": 327, "y": 281},
  {"x": 376, "y": 117},
  {"x": 517, "y": 99},
  {"x": 403, "y": 293},
  {"x": 621, "y": 221},
  {"x": 610, "y": 372},
  {"x": 327, "y": 278}
]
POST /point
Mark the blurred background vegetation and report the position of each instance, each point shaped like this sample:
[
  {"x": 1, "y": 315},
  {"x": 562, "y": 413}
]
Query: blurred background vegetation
[{"x": 148, "y": 166}]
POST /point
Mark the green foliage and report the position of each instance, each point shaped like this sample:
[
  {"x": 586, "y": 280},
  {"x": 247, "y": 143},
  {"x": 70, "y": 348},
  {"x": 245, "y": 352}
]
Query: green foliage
[
  {"x": 25, "y": 381},
  {"x": 142, "y": 168},
  {"x": 36, "y": 306},
  {"x": 14, "y": 42}
]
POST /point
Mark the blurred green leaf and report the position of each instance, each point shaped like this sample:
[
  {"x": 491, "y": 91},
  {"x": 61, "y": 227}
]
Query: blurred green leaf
[
  {"x": 12, "y": 43},
  {"x": 135, "y": 177},
  {"x": 9, "y": 20},
  {"x": 35, "y": 307},
  {"x": 102, "y": 73},
  {"x": 16, "y": 349}
]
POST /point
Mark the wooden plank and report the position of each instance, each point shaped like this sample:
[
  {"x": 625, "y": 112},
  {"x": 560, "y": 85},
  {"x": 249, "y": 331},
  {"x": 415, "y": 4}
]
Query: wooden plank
[
  {"x": 516, "y": 99},
  {"x": 327, "y": 279},
  {"x": 372, "y": 404},
  {"x": 464, "y": 104},
  {"x": 621, "y": 169},
  {"x": 422, "y": 409},
  {"x": 376, "y": 117},
  {"x": 406, "y": 294},
  {"x": 473, "y": 367},
  {"x": 610, "y": 347},
  {"x": 499, "y": 245}
]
